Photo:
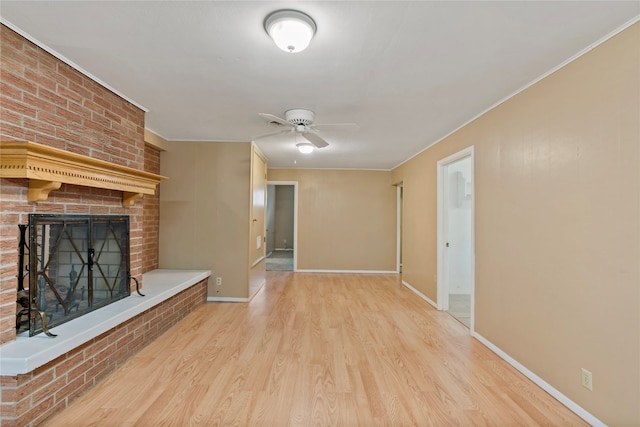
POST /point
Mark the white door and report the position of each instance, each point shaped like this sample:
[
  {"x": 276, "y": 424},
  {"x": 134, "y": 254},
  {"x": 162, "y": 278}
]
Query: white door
[{"x": 455, "y": 236}]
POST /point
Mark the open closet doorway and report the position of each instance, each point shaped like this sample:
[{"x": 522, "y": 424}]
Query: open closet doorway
[
  {"x": 282, "y": 230},
  {"x": 456, "y": 236}
]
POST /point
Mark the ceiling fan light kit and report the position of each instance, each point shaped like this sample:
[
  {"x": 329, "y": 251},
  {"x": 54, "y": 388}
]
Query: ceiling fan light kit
[
  {"x": 291, "y": 30},
  {"x": 300, "y": 121},
  {"x": 305, "y": 147}
]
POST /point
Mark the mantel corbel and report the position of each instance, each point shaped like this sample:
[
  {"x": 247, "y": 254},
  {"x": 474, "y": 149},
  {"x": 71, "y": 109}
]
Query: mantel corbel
[{"x": 47, "y": 168}]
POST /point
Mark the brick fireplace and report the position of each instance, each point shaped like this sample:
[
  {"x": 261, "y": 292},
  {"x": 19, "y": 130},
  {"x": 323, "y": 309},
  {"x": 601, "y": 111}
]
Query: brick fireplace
[{"x": 46, "y": 101}]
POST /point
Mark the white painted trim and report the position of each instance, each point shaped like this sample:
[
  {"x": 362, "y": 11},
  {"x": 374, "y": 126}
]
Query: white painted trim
[
  {"x": 227, "y": 299},
  {"x": 443, "y": 303},
  {"x": 336, "y": 169},
  {"x": 349, "y": 271},
  {"x": 70, "y": 63},
  {"x": 528, "y": 85},
  {"x": 577, "y": 409},
  {"x": 420, "y": 294},
  {"x": 26, "y": 354},
  {"x": 295, "y": 217},
  {"x": 264, "y": 282},
  {"x": 440, "y": 269},
  {"x": 258, "y": 261}
]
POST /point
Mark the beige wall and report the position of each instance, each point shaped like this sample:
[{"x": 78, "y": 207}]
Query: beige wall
[
  {"x": 205, "y": 212},
  {"x": 346, "y": 219},
  {"x": 557, "y": 226}
]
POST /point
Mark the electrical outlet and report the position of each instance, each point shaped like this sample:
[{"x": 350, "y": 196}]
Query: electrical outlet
[
  {"x": 587, "y": 379},
  {"x": 218, "y": 281}
]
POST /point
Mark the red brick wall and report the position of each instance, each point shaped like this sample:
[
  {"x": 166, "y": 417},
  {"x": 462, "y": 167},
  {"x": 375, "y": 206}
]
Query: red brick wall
[
  {"x": 151, "y": 219},
  {"x": 46, "y": 101},
  {"x": 29, "y": 399}
]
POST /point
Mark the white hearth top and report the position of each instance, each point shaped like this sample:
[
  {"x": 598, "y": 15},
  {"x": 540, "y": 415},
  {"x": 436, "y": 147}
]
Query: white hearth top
[{"x": 25, "y": 354}]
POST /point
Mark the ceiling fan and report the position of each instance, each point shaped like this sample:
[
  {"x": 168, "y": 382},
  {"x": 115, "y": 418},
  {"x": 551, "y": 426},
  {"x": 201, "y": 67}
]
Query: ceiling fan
[{"x": 301, "y": 121}]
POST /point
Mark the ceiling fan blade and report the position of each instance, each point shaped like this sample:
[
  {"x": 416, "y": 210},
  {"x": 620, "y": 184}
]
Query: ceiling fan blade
[
  {"x": 271, "y": 134},
  {"x": 311, "y": 136},
  {"x": 276, "y": 119},
  {"x": 339, "y": 126}
]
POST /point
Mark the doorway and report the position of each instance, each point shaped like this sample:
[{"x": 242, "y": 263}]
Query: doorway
[
  {"x": 456, "y": 236},
  {"x": 282, "y": 212}
]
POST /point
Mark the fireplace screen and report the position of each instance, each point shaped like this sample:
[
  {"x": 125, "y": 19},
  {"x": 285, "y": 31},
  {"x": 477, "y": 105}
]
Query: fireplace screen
[{"x": 76, "y": 264}]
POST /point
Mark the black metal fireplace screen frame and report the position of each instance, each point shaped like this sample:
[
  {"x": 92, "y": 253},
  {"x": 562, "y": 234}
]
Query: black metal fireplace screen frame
[{"x": 77, "y": 264}]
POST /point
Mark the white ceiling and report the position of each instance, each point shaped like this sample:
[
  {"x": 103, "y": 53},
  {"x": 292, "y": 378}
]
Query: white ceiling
[{"x": 407, "y": 72}]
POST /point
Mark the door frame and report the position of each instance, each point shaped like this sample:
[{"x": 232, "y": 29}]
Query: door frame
[
  {"x": 295, "y": 217},
  {"x": 443, "y": 292},
  {"x": 399, "y": 214}
]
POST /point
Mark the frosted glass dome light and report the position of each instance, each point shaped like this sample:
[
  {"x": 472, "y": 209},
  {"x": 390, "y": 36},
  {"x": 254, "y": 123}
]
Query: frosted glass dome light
[
  {"x": 305, "y": 147},
  {"x": 291, "y": 30}
]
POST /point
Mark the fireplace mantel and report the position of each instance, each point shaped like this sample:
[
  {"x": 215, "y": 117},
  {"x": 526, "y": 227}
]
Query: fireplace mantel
[{"x": 48, "y": 168}]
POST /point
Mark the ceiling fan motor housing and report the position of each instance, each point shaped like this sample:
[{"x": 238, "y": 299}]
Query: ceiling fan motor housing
[{"x": 299, "y": 116}]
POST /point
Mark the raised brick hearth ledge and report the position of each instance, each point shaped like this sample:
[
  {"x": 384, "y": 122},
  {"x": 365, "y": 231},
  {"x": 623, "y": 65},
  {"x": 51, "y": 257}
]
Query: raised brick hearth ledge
[
  {"x": 26, "y": 354},
  {"x": 42, "y": 375}
]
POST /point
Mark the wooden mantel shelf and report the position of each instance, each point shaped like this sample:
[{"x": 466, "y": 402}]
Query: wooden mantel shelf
[{"x": 48, "y": 168}]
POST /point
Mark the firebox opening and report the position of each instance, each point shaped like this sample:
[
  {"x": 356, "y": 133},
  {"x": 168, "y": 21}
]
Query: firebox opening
[{"x": 76, "y": 264}]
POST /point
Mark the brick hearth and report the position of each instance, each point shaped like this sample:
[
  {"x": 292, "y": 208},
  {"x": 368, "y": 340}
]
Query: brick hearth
[{"x": 30, "y": 398}]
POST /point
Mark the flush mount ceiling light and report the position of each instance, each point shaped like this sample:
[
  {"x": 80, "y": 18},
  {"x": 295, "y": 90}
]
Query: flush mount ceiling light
[
  {"x": 290, "y": 30},
  {"x": 305, "y": 147}
]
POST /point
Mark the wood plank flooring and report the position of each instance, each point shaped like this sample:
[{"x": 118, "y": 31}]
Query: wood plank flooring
[{"x": 317, "y": 350}]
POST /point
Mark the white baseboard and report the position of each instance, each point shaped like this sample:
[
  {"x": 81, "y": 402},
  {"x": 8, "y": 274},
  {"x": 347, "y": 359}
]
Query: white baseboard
[
  {"x": 234, "y": 299},
  {"x": 578, "y": 410},
  {"x": 264, "y": 282},
  {"x": 258, "y": 261},
  {"x": 227, "y": 299},
  {"x": 420, "y": 294},
  {"x": 348, "y": 271},
  {"x": 574, "y": 407}
]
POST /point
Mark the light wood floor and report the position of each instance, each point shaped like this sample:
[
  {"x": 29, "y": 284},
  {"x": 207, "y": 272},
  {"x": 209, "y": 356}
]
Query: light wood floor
[{"x": 317, "y": 350}]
